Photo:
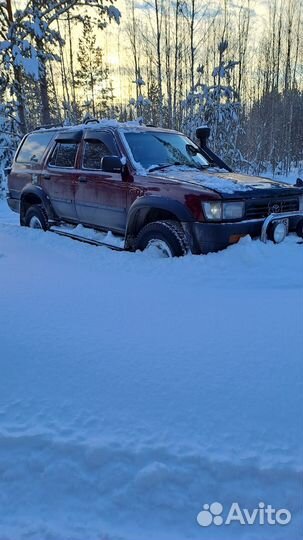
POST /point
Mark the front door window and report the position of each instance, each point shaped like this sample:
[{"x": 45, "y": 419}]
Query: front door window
[{"x": 96, "y": 149}]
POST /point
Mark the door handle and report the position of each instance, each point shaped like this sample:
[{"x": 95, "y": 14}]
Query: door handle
[
  {"x": 46, "y": 177},
  {"x": 82, "y": 179}
]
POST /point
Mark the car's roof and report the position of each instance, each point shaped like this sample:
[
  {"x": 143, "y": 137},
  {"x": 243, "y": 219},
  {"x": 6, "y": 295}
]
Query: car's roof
[{"x": 112, "y": 125}]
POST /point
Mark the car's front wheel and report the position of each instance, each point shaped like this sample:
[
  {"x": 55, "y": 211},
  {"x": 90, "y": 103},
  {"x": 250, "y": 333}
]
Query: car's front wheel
[
  {"x": 166, "y": 237},
  {"x": 36, "y": 218}
]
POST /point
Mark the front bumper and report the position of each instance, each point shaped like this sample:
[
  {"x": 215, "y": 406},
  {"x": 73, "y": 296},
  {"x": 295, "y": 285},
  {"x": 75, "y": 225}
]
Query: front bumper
[{"x": 210, "y": 237}]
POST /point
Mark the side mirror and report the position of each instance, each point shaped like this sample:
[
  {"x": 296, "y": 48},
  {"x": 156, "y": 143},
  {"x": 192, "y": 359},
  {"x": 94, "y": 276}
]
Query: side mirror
[
  {"x": 203, "y": 133},
  {"x": 111, "y": 164}
]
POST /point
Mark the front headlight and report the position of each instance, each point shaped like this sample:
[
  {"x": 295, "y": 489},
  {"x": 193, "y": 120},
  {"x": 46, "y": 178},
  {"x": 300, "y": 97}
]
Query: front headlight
[
  {"x": 233, "y": 210},
  {"x": 213, "y": 210},
  {"x": 216, "y": 211}
]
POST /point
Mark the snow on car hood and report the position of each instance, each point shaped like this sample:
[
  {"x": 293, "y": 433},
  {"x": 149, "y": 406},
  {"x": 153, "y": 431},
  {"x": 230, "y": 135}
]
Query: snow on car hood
[{"x": 217, "y": 179}]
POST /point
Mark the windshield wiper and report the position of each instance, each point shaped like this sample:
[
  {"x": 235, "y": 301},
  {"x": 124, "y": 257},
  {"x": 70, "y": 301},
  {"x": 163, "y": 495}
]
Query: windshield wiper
[{"x": 163, "y": 166}]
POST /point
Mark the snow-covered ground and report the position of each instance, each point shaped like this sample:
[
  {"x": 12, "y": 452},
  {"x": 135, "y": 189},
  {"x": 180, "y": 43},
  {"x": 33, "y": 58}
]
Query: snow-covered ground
[{"x": 135, "y": 389}]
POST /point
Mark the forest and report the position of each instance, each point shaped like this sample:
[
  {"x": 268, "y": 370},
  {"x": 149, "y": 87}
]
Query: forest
[{"x": 237, "y": 67}]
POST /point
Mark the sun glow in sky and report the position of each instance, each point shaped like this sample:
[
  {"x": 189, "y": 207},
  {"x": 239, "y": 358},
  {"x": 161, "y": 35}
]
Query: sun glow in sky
[{"x": 114, "y": 40}]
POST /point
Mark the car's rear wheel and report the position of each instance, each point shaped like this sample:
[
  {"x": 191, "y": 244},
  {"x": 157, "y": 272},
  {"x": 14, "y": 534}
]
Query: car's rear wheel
[
  {"x": 36, "y": 218},
  {"x": 167, "y": 238}
]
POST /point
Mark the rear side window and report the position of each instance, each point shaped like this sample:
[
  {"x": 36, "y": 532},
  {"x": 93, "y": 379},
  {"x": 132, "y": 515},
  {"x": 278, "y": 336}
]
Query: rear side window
[
  {"x": 96, "y": 149},
  {"x": 64, "y": 155},
  {"x": 32, "y": 150}
]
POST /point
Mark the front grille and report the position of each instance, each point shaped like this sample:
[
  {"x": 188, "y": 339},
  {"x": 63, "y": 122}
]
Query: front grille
[{"x": 263, "y": 208}]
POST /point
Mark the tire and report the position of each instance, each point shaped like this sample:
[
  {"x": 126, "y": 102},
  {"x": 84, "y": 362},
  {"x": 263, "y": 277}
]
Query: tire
[
  {"x": 168, "y": 236},
  {"x": 36, "y": 218}
]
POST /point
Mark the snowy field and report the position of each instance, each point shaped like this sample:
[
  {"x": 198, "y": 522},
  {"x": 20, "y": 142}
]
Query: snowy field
[{"x": 135, "y": 389}]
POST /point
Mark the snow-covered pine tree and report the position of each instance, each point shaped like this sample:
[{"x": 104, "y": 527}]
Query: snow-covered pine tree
[
  {"x": 93, "y": 75},
  {"x": 30, "y": 37},
  {"x": 10, "y": 136},
  {"x": 140, "y": 108},
  {"x": 218, "y": 106}
]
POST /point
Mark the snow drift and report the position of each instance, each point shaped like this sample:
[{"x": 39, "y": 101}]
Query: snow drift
[{"x": 135, "y": 389}]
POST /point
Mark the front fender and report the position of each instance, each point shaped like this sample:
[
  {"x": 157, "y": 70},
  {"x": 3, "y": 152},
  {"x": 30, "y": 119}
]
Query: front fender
[{"x": 140, "y": 208}]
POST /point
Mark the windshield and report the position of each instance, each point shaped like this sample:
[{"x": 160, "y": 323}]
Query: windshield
[{"x": 156, "y": 150}]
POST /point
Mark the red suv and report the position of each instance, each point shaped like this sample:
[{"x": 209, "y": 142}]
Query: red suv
[{"x": 150, "y": 185}]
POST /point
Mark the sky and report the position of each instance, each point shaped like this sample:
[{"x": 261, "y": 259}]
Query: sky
[
  {"x": 115, "y": 44},
  {"x": 114, "y": 40}
]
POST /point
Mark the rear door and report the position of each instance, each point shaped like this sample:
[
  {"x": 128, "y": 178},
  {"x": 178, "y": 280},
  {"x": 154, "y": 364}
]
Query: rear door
[
  {"x": 100, "y": 196},
  {"x": 59, "y": 177}
]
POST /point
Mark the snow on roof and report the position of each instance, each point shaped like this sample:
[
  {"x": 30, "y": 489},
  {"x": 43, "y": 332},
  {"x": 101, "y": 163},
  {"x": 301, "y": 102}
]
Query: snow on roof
[
  {"x": 132, "y": 125},
  {"x": 105, "y": 122}
]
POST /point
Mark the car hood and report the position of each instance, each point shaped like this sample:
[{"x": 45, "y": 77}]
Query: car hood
[{"x": 225, "y": 183}]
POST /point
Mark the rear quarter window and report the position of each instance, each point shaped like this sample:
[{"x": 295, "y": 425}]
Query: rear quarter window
[{"x": 33, "y": 148}]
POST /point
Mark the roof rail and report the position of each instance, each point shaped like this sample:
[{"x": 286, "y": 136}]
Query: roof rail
[
  {"x": 49, "y": 126},
  {"x": 90, "y": 120}
]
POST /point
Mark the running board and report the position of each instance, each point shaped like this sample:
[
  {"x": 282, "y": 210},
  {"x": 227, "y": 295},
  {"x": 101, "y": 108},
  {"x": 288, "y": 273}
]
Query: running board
[{"x": 86, "y": 240}]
